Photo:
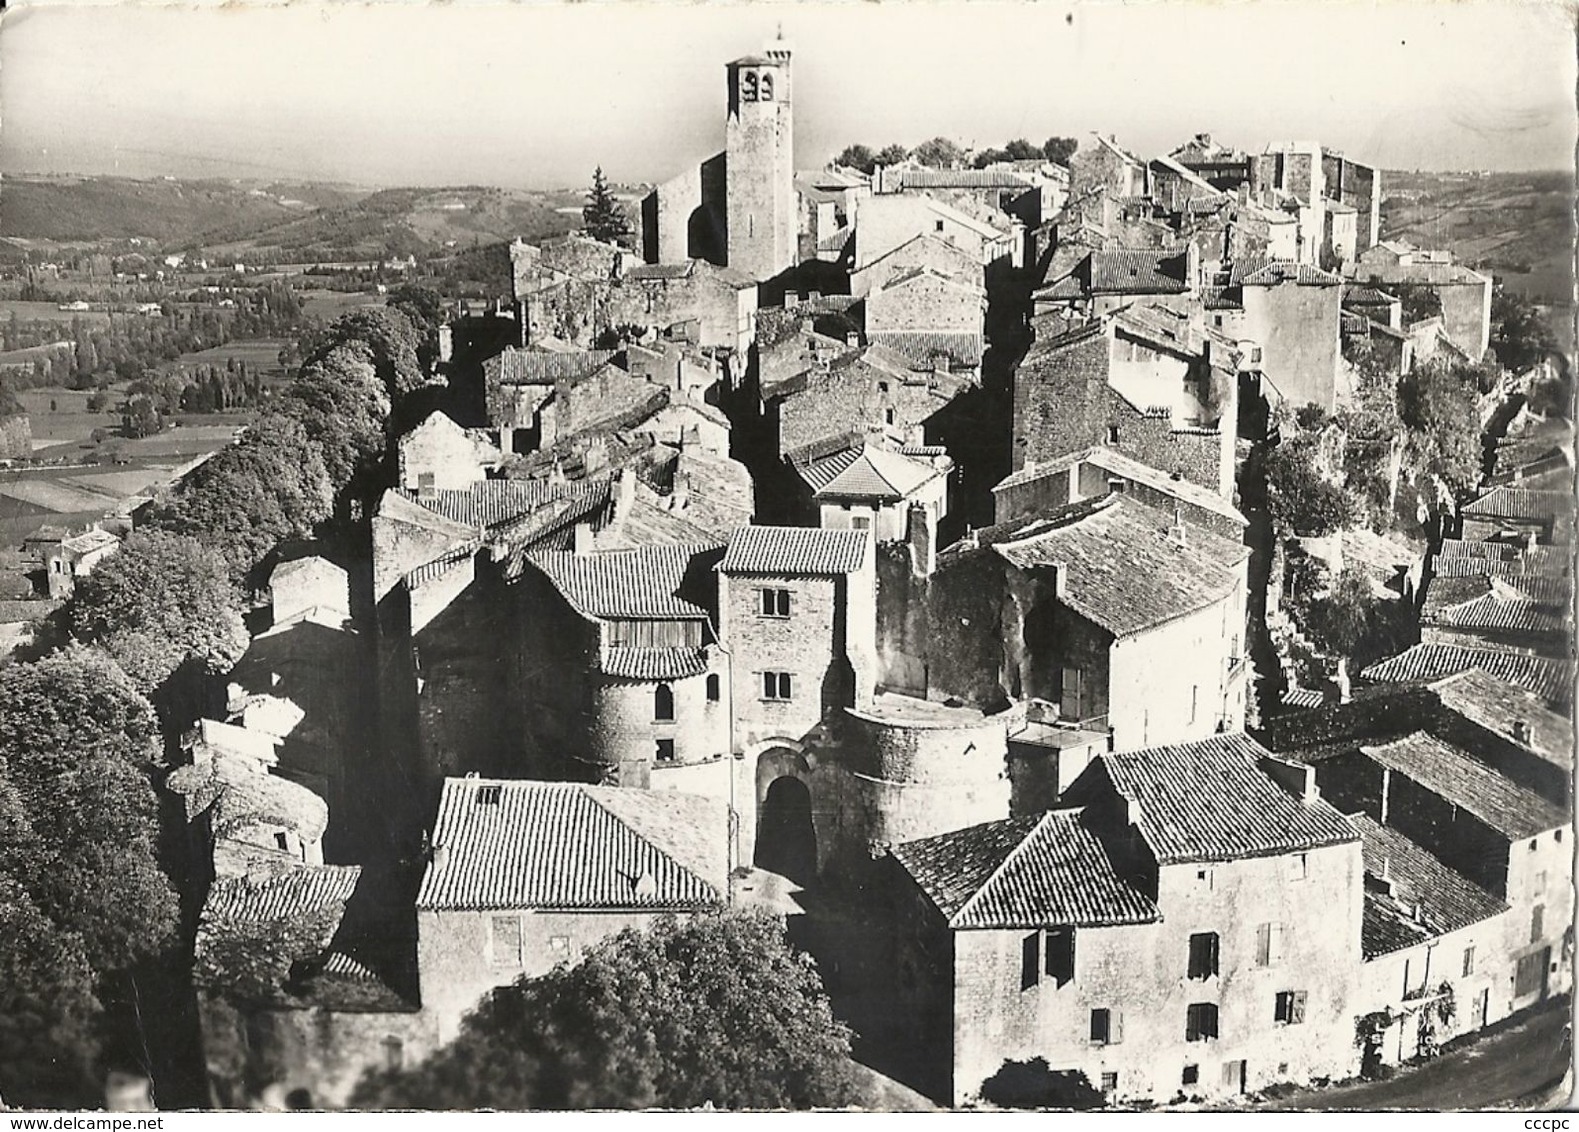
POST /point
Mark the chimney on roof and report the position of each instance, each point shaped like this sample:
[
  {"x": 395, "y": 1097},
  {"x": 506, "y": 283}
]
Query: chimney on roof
[
  {"x": 583, "y": 538},
  {"x": 853, "y": 339},
  {"x": 441, "y": 856},
  {"x": 1177, "y": 531}
]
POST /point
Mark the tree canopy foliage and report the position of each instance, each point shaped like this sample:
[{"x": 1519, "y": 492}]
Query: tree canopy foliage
[
  {"x": 1436, "y": 405},
  {"x": 940, "y": 153},
  {"x": 1347, "y": 619},
  {"x": 160, "y": 601},
  {"x": 1520, "y": 335},
  {"x": 865, "y": 159},
  {"x": 1302, "y": 501},
  {"x": 604, "y": 217},
  {"x": 82, "y": 894},
  {"x": 717, "y": 1009}
]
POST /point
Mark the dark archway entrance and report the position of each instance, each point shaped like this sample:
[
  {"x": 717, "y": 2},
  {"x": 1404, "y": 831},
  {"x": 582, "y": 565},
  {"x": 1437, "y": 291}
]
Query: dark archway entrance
[{"x": 786, "y": 841}]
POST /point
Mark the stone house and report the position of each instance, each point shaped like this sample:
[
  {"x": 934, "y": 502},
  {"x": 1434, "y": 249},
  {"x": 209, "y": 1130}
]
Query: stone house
[
  {"x": 796, "y": 612},
  {"x": 1505, "y": 838},
  {"x": 1098, "y": 470},
  {"x": 1103, "y": 166},
  {"x": 516, "y": 383},
  {"x": 620, "y": 677},
  {"x": 870, "y": 390},
  {"x": 1189, "y": 926},
  {"x": 1106, "y": 279},
  {"x": 1431, "y": 942},
  {"x": 1464, "y": 294},
  {"x": 924, "y": 251},
  {"x": 1146, "y": 380},
  {"x": 74, "y": 557},
  {"x": 1550, "y": 679},
  {"x": 884, "y": 222},
  {"x": 878, "y": 490},
  {"x": 1482, "y": 612},
  {"x": 528, "y": 875},
  {"x": 440, "y": 453},
  {"x": 1519, "y": 514},
  {"x": 304, "y": 585},
  {"x": 242, "y": 814},
  {"x": 1291, "y": 311},
  {"x": 926, "y": 316}
]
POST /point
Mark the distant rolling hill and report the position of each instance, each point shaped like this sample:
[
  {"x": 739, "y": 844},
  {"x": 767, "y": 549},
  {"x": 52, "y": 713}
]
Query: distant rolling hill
[
  {"x": 1518, "y": 226},
  {"x": 295, "y": 222}
]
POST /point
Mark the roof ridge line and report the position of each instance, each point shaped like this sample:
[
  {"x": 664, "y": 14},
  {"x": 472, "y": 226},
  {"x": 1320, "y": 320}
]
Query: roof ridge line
[
  {"x": 644, "y": 839},
  {"x": 1003, "y": 864}
]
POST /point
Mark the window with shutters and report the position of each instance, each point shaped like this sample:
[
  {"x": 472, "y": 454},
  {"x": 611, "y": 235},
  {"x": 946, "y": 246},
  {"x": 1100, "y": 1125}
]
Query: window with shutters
[
  {"x": 504, "y": 941},
  {"x": 1290, "y": 1009},
  {"x": 1537, "y": 923},
  {"x": 1070, "y": 700},
  {"x": 777, "y": 686},
  {"x": 1269, "y": 945},
  {"x": 1030, "y": 961},
  {"x": 1200, "y": 1022},
  {"x": 1105, "y": 1027},
  {"x": 1061, "y": 956},
  {"x": 1203, "y": 955},
  {"x": 1469, "y": 961},
  {"x": 1529, "y": 974}
]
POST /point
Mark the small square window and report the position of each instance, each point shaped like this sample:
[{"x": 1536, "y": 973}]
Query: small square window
[
  {"x": 937, "y": 225},
  {"x": 559, "y": 944},
  {"x": 1290, "y": 1008},
  {"x": 1104, "y": 1027},
  {"x": 1110, "y": 1082},
  {"x": 665, "y": 752},
  {"x": 882, "y": 387},
  {"x": 861, "y": 523},
  {"x": 1112, "y": 434},
  {"x": 1192, "y": 1074},
  {"x": 1200, "y": 1022}
]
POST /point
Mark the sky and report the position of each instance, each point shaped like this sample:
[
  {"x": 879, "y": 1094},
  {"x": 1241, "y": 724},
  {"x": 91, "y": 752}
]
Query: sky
[{"x": 535, "y": 94}]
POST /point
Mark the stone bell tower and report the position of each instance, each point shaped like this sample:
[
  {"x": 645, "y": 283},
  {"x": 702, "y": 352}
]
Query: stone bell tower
[{"x": 760, "y": 164}]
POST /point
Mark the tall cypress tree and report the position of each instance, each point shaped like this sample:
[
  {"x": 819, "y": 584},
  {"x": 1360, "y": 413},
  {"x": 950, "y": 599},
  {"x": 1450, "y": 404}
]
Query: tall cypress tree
[{"x": 604, "y": 216}]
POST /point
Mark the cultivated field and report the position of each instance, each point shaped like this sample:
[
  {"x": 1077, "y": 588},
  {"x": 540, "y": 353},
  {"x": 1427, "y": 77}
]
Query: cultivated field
[
  {"x": 51, "y": 312},
  {"x": 330, "y": 305}
]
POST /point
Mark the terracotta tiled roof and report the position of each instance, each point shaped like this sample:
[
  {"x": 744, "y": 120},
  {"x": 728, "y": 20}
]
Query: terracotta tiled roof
[
  {"x": 1117, "y": 463},
  {"x": 1469, "y": 784},
  {"x": 1364, "y": 295},
  {"x": 877, "y": 474},
  {"x": 1268, "y": 273},
  {"x": 1520, "y": 503},
  {"x": 490, "y": 503},
  {"x": 1504, "y": 609},
  {"x": 296, "y": 893},
  {"x": 509, "y": 844},
  {"x": 1457, "y": 558},
  {"x": 662, "y": 271},
  {"x": 962, "y": 179},
  {"x": 794, "y": 550},
  {"x": 919, "y": 347},
  {"x": 1049, "y": 871},
  {"x": 1123, "y": 568},
  {"x": 643, "y": 583},
  {"x": 653, "y": 664},
  {"x": 1552, "y": 680},
  {"x": 1210, "y": 801},
  {"x": 1126, "y": 271},
  {"x": 89, "y": 541},
  {"x": 1501, "y": 707},
  {"x": 542, "y": 367},
  {"x": 1445, "y": 900}
]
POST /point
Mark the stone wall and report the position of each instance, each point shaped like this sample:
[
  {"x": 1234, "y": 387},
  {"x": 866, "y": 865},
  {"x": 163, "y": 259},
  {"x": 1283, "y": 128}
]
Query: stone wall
[
  {"x": 808, "y": 644},
  {"x": 759, "y": 139},
  {"x": 1139, "y": 973},
  {"x": 1297, "y": 328}
]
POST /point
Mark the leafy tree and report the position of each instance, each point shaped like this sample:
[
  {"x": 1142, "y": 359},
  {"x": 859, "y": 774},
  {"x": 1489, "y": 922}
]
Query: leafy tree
[
  {"x": 1418, "y": 301},
  {"x": 78, "y": 745},
  {"x": 1520, "y": 336},
  {"x": 342, "y": 407},
  {"x": 9, "y": 405},
  {"x": 1301, "y": 501},
  {"x": 1035, "y": 1084},
  {"x": 1436, "y": 404},
  {"x": 1059, "y": 150},
  {"x": 1552, "y": 396},
  {"x": 160, "y": 601},
  {"x": 940, "y": 153},
  {"x": 47, "y": 1008},
  {"x": 857, "y": 157},
  {"x": 604, "y": 217},
  {"x": 247, "y": 499},
  {"x": 141, "y": 417},
  {"x": 717, "y": 1009},
  {"x": 1351, "y": 622},
  {"x": 383, "y": 336},
  {"x": 891, "y": 155},
  {"x": 1021, "y": 150}
]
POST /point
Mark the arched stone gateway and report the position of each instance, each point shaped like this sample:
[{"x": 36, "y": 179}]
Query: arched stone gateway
[{"x": 786, "y": 839}]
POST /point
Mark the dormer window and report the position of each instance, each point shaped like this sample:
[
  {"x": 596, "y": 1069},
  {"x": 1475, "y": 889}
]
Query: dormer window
[{"x": 489, "y": 795}]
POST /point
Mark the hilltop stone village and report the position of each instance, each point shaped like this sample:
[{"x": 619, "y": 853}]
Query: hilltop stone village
[{"x": 903, "y": 541}]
